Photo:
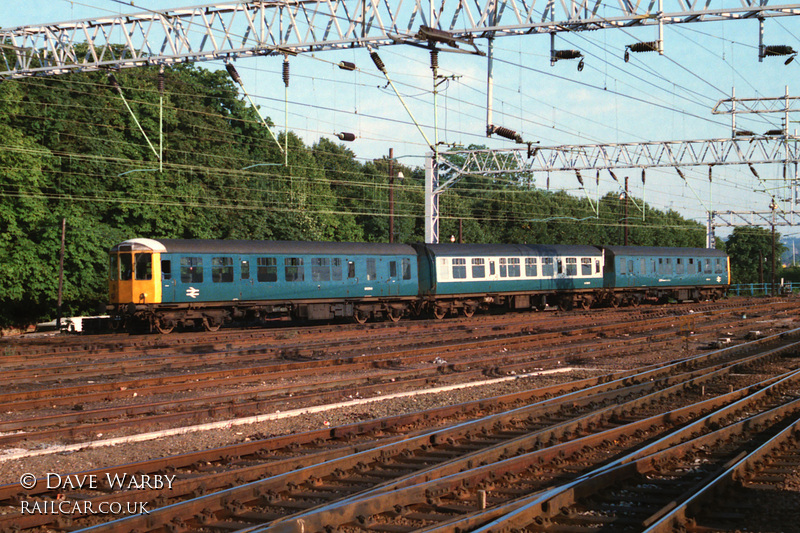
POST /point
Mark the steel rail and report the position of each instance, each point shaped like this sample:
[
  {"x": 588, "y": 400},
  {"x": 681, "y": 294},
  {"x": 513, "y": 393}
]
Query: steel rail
[{"x": 261, "y": 488}]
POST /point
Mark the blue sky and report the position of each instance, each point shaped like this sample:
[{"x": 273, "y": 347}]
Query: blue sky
[{"x": 650, "y": 98}]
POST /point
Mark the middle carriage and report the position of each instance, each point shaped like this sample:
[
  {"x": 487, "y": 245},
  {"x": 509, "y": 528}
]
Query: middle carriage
[{"x": 466, "y": 277}]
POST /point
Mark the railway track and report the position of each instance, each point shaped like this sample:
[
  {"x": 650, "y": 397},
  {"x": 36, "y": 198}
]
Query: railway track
[
  {"x": 485, "y": 468},
  {"x": 76, "y": 412}
]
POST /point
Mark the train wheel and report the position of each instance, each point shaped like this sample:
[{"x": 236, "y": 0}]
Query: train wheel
[
  {"x": 613, "y": 301},
  {"x": 439, "y": 312},
  {"x": 211, "y": 325},
  {"x": 165, "y": 327},
  {"x": 360, "y": 316},
  {"x": 394, "y": 314},
  {"x": 469, "y": 311},
  {"x": 585, "y": 303}
]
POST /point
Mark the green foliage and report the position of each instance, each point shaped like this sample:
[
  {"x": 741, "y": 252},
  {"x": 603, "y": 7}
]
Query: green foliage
[
  {"x": 750, "y": 250},
  {"x": 70, "y": 149}
]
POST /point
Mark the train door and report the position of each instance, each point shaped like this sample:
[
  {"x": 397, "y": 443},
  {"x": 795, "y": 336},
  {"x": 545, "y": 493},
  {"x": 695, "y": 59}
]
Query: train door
[
  {"x": 247, "y": 283},
  {"x": 167, "y": 281},
  {"x": 392, "y": 282}
]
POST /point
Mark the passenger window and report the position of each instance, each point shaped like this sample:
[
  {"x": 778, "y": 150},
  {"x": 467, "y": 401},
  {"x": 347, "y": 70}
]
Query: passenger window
[
  {"x": 459, "y": 268},
  {"x": 406, "y": 268},
  {"x": 336, "y": 269},
  {"x": 267, "y": 269},
  {"x": 630, "y": 267},
  {"x": 708, "y": 266},
  {"x": 166, "y": 269},
  {"x": 126, "y": 267},
  {"x": 719, "y": 269},
  {"x": 144, "y": 266},
  {"x": 586, "y": 266},
  {"x": 245, "y": 269},
  {"x": 513, "y": 267},
  {"x": 351, "y": 270},
  {"x": 222, "y": 269},
  {"x": 596, "y": 266},
  {"x": 191, "y": 270},
  {"x": 560, "y": 265},
  {"x": 293, "y": 268},
  {"x": 392, "y": 269},
  {"x": 320, "y": 269},
  {"x": 113, "y": 267},
  {"x": 372, "y": 270},
  {"x": 478, "y": 268},
  {"x": 530, "y": 267},
  {"x": 503, "y": 268},
  {"x": 547, "y": 266},
  {"x": 491, "y": 268},
  {"x": 699, "y": 266},
  {"x": 572, "y": 266}
]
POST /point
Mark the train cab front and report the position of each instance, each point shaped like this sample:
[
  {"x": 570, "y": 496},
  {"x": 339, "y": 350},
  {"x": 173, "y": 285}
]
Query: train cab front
[{"x": 134, "y": 281}]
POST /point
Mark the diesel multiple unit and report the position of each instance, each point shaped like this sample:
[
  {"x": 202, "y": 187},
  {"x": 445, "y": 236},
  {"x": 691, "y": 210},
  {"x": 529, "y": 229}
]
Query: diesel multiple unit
[{"x": 167, "y": 282}]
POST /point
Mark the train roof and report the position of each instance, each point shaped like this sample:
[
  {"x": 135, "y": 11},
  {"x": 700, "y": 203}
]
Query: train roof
[
  {"x": 211, "y": 246},
  {"x": 664, "y": 251},
  {"x": 521, "y": 250}
]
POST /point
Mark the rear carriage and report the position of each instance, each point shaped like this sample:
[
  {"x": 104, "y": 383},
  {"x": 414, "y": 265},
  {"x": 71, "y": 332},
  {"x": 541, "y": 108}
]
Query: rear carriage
[{"x": 636, "y": 273}]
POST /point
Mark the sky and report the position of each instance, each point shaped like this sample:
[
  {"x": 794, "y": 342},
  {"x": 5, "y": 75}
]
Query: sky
[{"x": 650, "y": 98}]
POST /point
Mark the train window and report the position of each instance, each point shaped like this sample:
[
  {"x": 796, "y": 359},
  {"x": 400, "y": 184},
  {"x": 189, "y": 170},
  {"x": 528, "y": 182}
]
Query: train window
[
  {"x": 191, "y": 270},
  {"x": 320, "y": 269},
  {"x": 336, "y": 269},
  {"x": 113, "y": 267},
  {"x": 572, "y": 266},
  {"x": 708, "y": 266},
  {"x": 459, "y": 268},
  {"x": 491, "y": 268},
  {"x": 478, "y": 268},
  {"x": 125, "y": 267},
  {"x": 245, "y": 269},
  {"x": 392, "y": 269},
  {"x": 530, "y": 267},
  {"x": 547, "y": 266},
  {"x": 560, "y": 265},
  {"x": 351, "y": 270},
  {"x": 622, "y": 269},
  {"x": 660, "y": 266},
  {"x": 222, "y": 269},
  {"x": 144, "y": 266},
  {"x": 406, "y": 265},
  {"x": 668, "y": 268},
  {"x": 503, "y": 267},
  {"x": 718, "y": 268},
  {"x": 678, "y": 266},
  {"x": 166, "y": 269},
  {"x": 267, "y": 269},
  {"x": 513, "y": 267},
  {"x": 596, "y": 266},
  {"x": 293, "y": 269},
  {"x": 586, "y": 266},
  {"x": 372, "y": 270},
  {"x": 630, "y": 267},
  {"x": 643, "y": 266}
]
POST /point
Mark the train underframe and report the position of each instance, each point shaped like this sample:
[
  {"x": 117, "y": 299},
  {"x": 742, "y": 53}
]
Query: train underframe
[
  {"x": 467, "y": 305},
  {"x": 213, "y": 315}
]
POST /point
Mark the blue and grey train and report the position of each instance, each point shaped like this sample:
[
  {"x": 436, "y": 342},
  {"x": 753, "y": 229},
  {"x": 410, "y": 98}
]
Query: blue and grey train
[{"x": 166, "y": 283}]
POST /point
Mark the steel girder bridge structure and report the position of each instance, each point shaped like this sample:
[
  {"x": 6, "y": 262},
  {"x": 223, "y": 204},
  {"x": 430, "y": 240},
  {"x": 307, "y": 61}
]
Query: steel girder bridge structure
[
  {"x": 753, "y": 150},
  {"x": 229, "y": 30}
]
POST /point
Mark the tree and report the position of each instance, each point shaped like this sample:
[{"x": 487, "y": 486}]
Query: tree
[{"x": 750, "y": 249}]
